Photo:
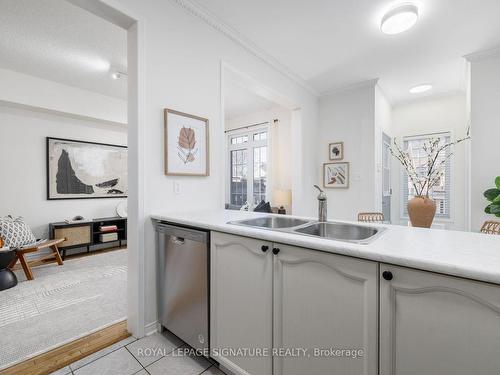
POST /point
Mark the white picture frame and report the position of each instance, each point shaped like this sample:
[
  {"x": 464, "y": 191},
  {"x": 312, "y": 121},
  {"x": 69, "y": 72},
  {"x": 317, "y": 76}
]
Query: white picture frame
[
  {"x": 336, "y": 151},
  {"x": 336, "y": 175}
]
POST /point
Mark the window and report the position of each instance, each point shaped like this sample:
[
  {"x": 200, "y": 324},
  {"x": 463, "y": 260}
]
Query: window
[
  {"x": 248, "y": 163},
  {"x": 440, "y": 193}
]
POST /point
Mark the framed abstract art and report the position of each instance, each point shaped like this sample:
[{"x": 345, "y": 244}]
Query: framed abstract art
[
  {"x": 336, "y": 175},
  {"x": 186, "y": 144},
  {"x": 79, "y": 169}
]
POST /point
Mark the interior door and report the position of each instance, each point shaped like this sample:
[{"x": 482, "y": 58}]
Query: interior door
[{"x": 386, "y": 177}]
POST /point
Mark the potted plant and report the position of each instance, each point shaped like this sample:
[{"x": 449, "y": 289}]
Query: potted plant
[
  {"x": 421, "y": 208},
  {"x": 493, "y": 196}
]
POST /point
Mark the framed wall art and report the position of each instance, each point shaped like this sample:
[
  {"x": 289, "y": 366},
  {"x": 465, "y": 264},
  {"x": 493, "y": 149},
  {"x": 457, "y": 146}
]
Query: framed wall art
[
  {"x": 79, "y": 169},
  {"x": 336, "y": 151},
  {"x": 336, "y": 175},
  {"x": 186, "y": 144}
]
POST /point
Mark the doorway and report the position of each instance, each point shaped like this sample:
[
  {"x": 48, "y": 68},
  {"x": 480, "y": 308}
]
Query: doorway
[{"x": 386, "y": 177}]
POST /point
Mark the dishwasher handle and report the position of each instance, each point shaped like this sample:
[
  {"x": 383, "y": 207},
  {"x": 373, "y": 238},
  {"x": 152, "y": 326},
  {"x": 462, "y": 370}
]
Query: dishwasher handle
[
  {"x": 182, "y": 234},
  {"x": 177, "y": 240}
]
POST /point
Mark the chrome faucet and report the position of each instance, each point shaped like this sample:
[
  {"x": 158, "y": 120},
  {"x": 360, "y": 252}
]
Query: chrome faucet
[{"x": 322, "y": 215}]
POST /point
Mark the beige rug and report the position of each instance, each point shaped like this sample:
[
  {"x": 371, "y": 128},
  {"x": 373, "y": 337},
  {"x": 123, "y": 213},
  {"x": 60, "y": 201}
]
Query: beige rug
[{"x": 62, "y": 303}]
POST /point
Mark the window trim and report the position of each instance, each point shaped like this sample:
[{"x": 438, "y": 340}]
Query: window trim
[
  {"x": 450, "y": 218},
  {"x": 249, "y": 146}
]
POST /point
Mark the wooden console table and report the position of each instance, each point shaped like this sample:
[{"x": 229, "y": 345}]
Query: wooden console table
[{"x": 86, "y": 233}]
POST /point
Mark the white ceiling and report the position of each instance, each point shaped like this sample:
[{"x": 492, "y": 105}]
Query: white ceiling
[
  {"x": 55, "y": 40},
  {"x": 337, "y": 43}
]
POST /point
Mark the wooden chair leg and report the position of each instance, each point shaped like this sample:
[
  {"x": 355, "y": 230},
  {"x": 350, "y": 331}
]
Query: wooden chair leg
[
  {"x": 55, "y": 250},
  {"x": 13, "y": 263},
  {"x": 26, "y": 267}
]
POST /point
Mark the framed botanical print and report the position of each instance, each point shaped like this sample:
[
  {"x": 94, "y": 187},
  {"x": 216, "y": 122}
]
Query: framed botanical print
[
  {"x": 336, "y": 151},
  {"x": 80, "y": 169},
  {"x": 186, "y": 144},
  {"x": 336, "y": 175}
]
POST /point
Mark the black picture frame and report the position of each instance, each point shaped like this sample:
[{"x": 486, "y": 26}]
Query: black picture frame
[{"x": 47, "y": 145}]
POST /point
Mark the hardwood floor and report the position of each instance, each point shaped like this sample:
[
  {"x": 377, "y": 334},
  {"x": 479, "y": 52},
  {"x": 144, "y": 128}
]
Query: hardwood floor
[{"x": 71, "y": 352}]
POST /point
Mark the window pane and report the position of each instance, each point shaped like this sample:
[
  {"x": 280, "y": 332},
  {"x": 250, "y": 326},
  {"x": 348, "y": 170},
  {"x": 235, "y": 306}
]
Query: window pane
[
  {"x": 259, "y": 176},
  {"x": 440, "y": 192},
  {"x": 238, "y": 189},
  {"x": 260, "y": 136}
]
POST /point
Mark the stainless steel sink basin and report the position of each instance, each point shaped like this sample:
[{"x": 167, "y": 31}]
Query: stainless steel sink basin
[
  {"x": 340, "y": 231},
  {"x": 272, "y": 222}
]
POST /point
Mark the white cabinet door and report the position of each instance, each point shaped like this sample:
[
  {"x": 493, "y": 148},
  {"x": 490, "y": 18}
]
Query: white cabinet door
[
  {"x": 241, "y": 302},
  {"x": 437, "y": 325},
  {"x": 325, "y": 301}
]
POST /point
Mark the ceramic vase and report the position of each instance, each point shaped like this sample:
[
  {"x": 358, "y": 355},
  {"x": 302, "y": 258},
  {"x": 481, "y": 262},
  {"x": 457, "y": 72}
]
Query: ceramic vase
[{"x": 421, "y": 210}]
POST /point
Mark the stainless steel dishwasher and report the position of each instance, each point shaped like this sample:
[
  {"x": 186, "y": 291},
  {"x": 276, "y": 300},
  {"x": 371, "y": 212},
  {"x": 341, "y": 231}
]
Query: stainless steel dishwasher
[{"x": 183, "y": 256}]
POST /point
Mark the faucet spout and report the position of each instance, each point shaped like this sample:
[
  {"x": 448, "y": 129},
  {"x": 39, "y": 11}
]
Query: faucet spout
[{"x": 322, "y": 205}]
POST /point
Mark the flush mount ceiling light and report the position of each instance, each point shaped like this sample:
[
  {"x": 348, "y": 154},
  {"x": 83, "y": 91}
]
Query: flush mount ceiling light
[
  {"x": 399, "y": 19},
  {"x": 420, "y": 88}
]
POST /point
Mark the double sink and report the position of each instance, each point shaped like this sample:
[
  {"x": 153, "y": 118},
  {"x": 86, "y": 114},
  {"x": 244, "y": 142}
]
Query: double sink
[{"x": 328, "y": 230}]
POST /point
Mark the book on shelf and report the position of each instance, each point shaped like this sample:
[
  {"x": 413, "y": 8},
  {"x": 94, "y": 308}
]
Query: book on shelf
[
  {"x": 108, "y": 237},
  {"x": 108, "y": 228}
]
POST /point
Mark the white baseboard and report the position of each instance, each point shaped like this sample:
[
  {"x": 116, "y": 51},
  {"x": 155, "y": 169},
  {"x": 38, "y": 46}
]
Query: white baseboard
[{"x": 151, "y": 328}]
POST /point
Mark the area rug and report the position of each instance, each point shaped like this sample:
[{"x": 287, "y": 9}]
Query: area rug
[{"x": 62, "y": 304}]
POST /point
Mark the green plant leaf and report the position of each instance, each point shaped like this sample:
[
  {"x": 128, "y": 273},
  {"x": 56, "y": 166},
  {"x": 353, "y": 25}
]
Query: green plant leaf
[
  {"x": 495, "y": 209},
  {"x": 487, "y": 209},
  {"x": 491, "y": 194},
  {"x": 497, "y": 200},
  {"x": 497, "y": 215},
  {"x": 497, "y": 182}
]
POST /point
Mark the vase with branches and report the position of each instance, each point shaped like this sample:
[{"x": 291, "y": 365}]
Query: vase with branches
[{"x": 426, "y": 176}]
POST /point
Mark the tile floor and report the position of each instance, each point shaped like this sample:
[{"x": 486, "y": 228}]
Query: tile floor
[{"x": 128, "y": 357}]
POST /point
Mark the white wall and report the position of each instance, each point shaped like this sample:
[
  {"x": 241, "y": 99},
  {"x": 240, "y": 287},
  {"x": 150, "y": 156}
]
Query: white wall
[
  {"x": 485, "y": 125},
  {"x": 280, "y": 168},
  {"x": 431, "y": 115},
  {"x": 383, "y": 123},
  {"x": 34, "y": 92},
  {"x": 182, "y": 59},
  {"x": 23, "y": 189},
  {"x": 349, "y": 116}
]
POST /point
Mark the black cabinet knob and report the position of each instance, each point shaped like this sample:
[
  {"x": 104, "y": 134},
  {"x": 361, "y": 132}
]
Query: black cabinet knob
[
  {"x": 264, "y": 248},
  {"x": 387, "y": 275},
  {"x": 276, "y": 251}
]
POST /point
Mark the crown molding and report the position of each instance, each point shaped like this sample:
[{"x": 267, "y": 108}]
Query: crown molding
[
  {"x": 355, "y": 86},
  {"x": 205, "y": 15},
  {"x": 481, "y": 55}
]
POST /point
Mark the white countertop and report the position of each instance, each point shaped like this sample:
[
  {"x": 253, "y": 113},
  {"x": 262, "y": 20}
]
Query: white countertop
[{"x": 463, "y": 254}]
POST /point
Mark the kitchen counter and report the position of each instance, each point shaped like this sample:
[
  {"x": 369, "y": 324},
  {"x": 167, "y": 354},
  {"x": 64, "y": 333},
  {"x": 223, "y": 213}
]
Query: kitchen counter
[{"x": 463, "y": 254}]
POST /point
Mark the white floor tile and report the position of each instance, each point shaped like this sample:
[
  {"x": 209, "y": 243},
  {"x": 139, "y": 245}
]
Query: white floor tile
[
  {"x": 151, "y": 348},
  {"x": 213, "y": 371},
  {"x": 63, "y": 371},
  {"x": 120, "y": 362},
  {"x": 171, "y": 365},
  {"x": 90, "y": 358}
]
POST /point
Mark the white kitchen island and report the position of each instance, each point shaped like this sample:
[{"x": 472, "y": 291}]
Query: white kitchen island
[{"x": 413, "y": 301}]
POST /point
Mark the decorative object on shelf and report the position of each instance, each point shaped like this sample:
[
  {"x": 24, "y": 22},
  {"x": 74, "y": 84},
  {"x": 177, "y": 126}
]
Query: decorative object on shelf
[
  {"x": 336, "y": 151},
  {"x": 186, "y": 144},
  {"x": 282, "y": 198},
  {"x": 421, "y": 208},
  {"x": 493, "y": 196},
  {"x": 336, "y": 175},
  {"x": 78, "y": 169},
  {"x": 121, "y": 209}
]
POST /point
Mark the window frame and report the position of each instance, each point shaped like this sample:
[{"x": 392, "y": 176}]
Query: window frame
[
  {"x": 249, "y": 146},
  {"x": 449, "y": 191}
]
